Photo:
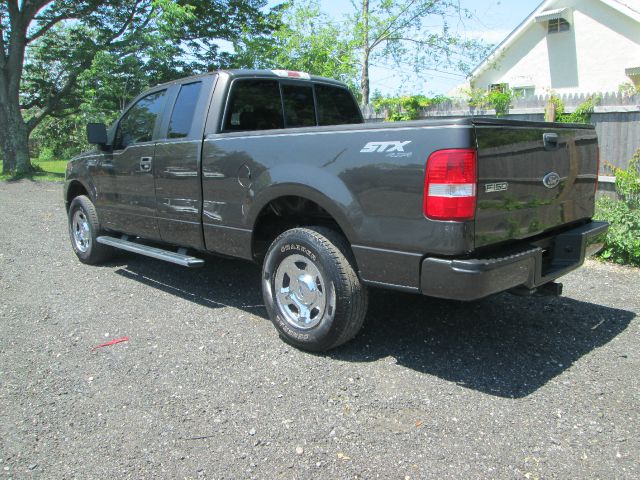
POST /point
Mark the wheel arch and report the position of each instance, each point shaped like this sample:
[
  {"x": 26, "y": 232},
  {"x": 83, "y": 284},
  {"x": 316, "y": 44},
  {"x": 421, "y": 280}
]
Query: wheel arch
[
  {"x": 287, "y": 206},
  {"x": 74, "y": 188}
]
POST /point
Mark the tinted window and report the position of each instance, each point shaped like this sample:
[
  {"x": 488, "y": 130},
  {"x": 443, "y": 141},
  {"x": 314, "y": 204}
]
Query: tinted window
[
  {"x": 336, "y": 106},
  {"x": 183, "y": 110},
  {"x": 137, "y": 125},
  {"x": 254, "y": 105},
  {"x": 298, "y": 106}
]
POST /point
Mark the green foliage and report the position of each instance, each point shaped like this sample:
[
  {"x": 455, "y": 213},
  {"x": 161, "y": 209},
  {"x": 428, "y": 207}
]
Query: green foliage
[
  {"x": 582, "y": 114},
  {"x": 87, "y": 58},
  {"x": 401, "y": 108},
  {"x": 628, "y": 89},
  {"x": 499, "y": 100},
  {"x": 407, "y": 107},
  {"x": 628, "y": 182},
  {"x": 622, "y": 244},
  {"x": 306, "y": 39}
]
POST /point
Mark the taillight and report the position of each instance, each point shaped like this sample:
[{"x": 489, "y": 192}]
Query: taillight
[{"x": 450, "y": 185}]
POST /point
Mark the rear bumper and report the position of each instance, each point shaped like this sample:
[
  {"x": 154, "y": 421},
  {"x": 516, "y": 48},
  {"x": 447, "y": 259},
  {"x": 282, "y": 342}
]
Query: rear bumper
[{"x": 530, "y": 266}]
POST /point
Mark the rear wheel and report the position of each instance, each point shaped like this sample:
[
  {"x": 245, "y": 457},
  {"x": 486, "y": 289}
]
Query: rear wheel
[
  {"x": 311, "y": 290},
  {"x": 84, "y": 228}
]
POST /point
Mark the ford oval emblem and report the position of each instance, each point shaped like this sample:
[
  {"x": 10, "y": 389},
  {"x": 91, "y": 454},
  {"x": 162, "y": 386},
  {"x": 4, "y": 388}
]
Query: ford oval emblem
[{"x": 551, "y": 180}]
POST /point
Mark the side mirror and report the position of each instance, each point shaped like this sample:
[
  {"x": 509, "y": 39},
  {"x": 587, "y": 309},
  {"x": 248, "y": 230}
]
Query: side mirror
[{"x": 97, "y": 133}]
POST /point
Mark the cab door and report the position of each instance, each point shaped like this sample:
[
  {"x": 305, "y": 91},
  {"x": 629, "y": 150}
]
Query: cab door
[
  {"x": 128, "y": 200},
  {"x": 177, "y": 163}
]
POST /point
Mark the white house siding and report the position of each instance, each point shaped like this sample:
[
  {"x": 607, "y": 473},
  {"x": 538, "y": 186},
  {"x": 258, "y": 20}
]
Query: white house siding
[{"x": 591, "y": 57}]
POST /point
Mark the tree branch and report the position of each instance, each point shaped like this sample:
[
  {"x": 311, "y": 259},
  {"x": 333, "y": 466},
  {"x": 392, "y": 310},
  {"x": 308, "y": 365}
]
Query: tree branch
[
  {"x": 382, "y": 34},
  {"x": 54, "y": 100},
  {"x": 48, "y": 26},
  {"x": 393, "y": 28},
  {"x": 53, "y": 21},
  {"x": 30, "y": 9}
]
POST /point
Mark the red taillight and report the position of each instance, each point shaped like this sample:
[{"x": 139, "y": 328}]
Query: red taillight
[{"x": 450, "y": 185}]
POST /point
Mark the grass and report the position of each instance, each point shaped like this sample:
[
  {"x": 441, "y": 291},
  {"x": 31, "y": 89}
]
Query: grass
[{"x": 50, "y": 171}]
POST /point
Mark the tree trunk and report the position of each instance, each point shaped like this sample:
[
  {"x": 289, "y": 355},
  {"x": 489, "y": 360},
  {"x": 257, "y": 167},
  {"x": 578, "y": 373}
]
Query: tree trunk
[
  {"x": 14, "y": 133},
  {"x": 14, "y": 141},
  {"x": 364, "y": 80}
]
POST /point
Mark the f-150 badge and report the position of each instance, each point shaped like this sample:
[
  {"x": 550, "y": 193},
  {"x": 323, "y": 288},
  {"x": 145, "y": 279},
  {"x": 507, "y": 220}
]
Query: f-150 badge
[
  {"x": 382, "y": 147},
  {"x": 496, "y": 187}
]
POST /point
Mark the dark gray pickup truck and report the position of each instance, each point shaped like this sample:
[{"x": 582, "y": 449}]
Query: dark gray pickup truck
[{"x": 278, "y": 167}]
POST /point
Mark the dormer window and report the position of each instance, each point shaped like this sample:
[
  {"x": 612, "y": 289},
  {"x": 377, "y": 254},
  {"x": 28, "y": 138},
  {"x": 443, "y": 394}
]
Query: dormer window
[
  {"x": 556, "y": 21},
  {"x": 557, "y": 25}
]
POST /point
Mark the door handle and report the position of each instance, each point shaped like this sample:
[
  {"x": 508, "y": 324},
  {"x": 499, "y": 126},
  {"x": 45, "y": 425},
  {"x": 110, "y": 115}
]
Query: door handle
[
  {"x": 550, "y": 141},
  {"x": 145, "y": 164}
]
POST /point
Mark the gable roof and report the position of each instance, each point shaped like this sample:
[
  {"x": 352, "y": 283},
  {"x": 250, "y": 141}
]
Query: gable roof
[{"x": 545, "y": 9}]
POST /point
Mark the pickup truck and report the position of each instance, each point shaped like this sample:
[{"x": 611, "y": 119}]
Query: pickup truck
[{"x": 279, "y": 168}]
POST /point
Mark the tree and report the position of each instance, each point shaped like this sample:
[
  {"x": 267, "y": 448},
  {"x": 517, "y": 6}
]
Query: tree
[
  {"x": 306, "y": 39},
  {"x": 399, "y": 29},
  {"x": 47, "y": 45}
]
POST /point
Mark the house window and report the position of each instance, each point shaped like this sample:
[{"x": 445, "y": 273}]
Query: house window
[
  {"x": 524, "y": 92},
  {"x": 498, "y": 87},
  {"x": 558, "y": 25}
]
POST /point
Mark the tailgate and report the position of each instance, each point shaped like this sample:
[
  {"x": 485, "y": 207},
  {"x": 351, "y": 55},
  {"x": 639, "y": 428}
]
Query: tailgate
[{"x": 532, "y": 177}]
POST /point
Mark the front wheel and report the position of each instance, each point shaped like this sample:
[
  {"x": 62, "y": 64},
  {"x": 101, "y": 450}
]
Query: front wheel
[
  {"x": 84, "y": 228},
  {"x": 311, "y": 289}
]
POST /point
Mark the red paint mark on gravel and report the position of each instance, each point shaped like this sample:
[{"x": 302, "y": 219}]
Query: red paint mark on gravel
[{"x": 112, "y": 342}]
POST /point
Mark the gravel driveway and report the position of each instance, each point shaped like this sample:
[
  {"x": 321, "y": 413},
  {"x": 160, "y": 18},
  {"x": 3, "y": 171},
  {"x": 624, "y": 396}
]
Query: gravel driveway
[{"x": 506, "y": 387}]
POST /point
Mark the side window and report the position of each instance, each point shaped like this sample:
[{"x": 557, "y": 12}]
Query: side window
[
  {"x": 183, "y": 110},
  {"x": 299, "y": 110},
  {"x": 137, "y": 125},
  {"x": 336, "y": 106},
  {"x": 254, "y": 105}
]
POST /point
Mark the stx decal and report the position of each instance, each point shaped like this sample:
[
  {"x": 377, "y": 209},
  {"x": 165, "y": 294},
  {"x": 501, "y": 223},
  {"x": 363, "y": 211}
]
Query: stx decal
[{"x": 384, "y": 147}]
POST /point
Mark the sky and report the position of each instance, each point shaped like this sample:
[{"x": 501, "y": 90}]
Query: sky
[{"x": 492, "y": 21}]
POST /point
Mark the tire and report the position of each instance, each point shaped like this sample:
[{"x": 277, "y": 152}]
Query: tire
[
  {"x": 84, "y": 228},
  {"x": 311, "y": 289}
]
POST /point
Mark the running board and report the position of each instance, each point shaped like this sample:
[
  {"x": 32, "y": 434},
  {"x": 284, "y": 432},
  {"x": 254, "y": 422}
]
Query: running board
[{"x": 179, "y": 257}]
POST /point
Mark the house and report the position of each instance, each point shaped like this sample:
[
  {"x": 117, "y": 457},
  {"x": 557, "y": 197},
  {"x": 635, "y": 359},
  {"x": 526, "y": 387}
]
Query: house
[{"x": 569, "y": 47}]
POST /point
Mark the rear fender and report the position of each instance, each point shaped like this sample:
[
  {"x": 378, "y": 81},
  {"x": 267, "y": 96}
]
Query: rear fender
[{"x": 314, "y": 184}]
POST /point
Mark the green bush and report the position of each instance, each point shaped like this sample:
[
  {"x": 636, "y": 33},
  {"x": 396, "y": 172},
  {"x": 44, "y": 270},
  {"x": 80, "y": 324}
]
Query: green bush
[
  {"x": 582, "y": 113},
  {"x": 407, "y": 107},
  {"x": 498, "y": 99},
  {"x": 622, "y": 244},
  {"x": 46, "y": 154}
]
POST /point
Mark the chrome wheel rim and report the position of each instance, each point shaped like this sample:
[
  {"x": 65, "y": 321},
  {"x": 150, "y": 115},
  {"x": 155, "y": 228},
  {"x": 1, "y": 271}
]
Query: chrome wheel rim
[
  {"x": 302, "y": 294},
  {"x": 81, "y": 231}
]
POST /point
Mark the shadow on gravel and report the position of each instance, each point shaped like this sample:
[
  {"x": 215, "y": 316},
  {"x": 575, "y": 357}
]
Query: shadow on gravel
[
  {"x": 220, "y": 283},
  {"x": 505, "y": 345}
]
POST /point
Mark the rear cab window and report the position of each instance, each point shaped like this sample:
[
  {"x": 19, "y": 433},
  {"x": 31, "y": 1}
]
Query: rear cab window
[
  {"x": 264, "y": 104},
  {"x": 184, "y": 110}
]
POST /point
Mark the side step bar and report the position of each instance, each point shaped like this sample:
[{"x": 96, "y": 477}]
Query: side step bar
[{"x": 178, "y": 257}]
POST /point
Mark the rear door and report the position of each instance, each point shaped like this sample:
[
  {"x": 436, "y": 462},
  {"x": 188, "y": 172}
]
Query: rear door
[
  {"x": 532, "y": 177},
  {"x": 177, "y": 164},
  {"x": 127, "y": 193}
]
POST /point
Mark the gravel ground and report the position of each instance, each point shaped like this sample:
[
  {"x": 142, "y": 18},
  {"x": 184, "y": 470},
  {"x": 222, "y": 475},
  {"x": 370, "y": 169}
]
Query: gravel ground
[{"x": 507, "y": 387}]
